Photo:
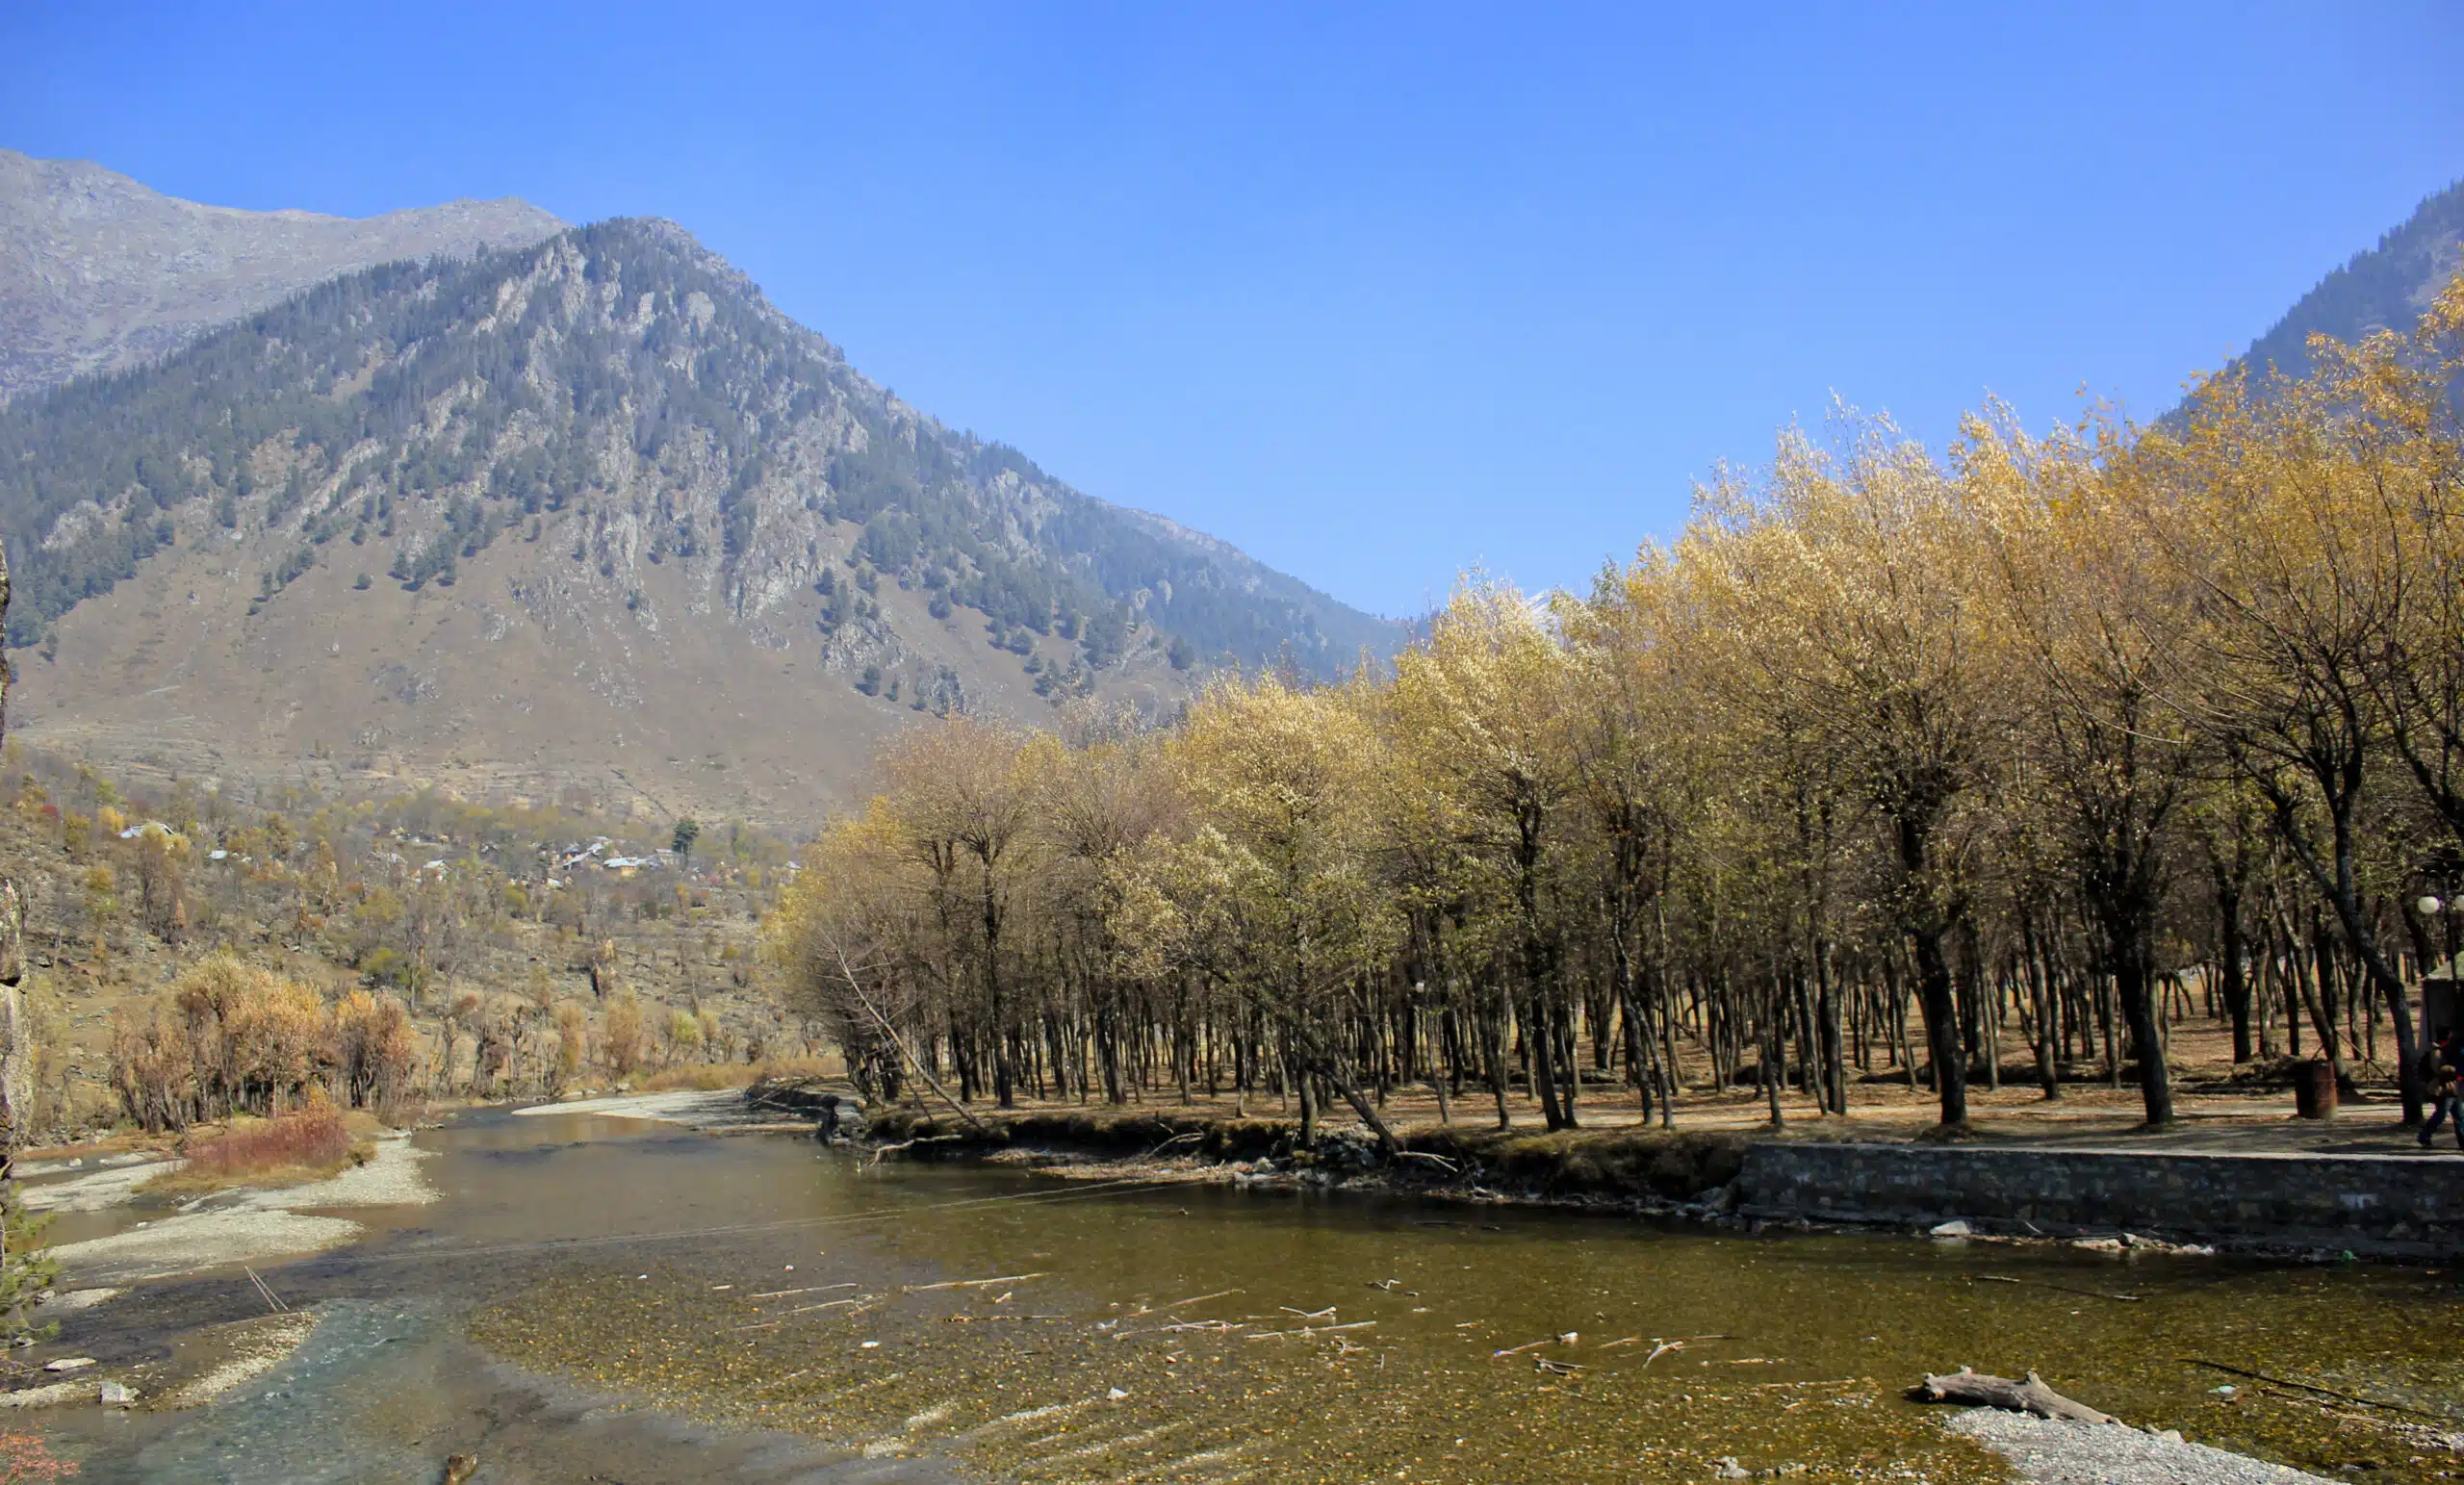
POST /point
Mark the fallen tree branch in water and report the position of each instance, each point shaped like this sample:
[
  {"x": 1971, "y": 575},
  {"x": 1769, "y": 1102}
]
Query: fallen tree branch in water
[
  {"x": 1005, "y": 1278},
  {"x": 2031, "y": 1397},
  {"x": 886, "y": 1150},
  {"x": 2309, "y": 1387},
  {"x": 2066, "y": 1289},
  {"x": 1311, "y": 1330},
  {"x": 1221, "y": 1294},
  {"x": 810, "y": 1289}
]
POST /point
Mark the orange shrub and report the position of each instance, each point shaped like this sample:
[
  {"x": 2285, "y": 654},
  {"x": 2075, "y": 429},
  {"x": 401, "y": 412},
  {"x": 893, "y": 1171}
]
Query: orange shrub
[{"x": 311, "y": 1138}]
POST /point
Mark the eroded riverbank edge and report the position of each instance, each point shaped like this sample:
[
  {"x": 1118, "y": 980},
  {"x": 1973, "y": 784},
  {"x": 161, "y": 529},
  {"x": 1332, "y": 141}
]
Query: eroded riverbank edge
[{"x": 2304, "y": 1207}]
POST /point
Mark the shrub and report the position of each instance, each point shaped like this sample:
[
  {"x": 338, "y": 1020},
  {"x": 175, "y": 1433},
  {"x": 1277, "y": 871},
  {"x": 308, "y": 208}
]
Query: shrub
[
  {"x": 26, "y": 1273},
  {"x": 312, "y": 1138},
  {"x": 621, "y": 1035},
  {"x": 25, "y": 1459}
]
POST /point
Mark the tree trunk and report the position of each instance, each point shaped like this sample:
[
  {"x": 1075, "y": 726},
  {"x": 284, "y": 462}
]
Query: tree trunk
[
  {"x": 1942, "y": 1024},
  {"x": 1834, "y": 1061},
  {"x": 2155, "y": 1087},
  {"x": 2235, "y": 974}
]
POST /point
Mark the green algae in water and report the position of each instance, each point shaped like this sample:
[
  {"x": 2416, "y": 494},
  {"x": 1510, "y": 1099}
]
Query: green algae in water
[{"x": 1126, "y": 1360}]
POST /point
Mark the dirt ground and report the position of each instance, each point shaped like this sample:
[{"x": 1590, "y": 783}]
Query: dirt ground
[{"x": 2215, "y": 1108}]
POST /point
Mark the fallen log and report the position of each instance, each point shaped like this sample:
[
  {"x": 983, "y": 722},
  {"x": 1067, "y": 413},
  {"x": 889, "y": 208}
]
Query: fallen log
[
  {"x": 883, "y": 1152},
  {"x": 2031, "y": 1397}
]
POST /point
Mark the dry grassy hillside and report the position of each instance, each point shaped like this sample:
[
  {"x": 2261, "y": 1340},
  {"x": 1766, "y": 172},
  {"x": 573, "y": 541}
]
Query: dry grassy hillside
[
  {"x": 445, "y": 906},
  {"x": 533, "y": 679}
]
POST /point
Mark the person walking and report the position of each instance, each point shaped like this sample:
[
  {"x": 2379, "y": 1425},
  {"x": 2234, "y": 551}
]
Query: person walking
[{"x": 2443, "y": 1071}]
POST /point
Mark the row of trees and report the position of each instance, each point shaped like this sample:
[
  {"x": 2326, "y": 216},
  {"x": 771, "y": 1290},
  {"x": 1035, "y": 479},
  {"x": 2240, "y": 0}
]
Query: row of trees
[
  {"x": 2033, "y": 740},
  {"x": 233, "y": 1038}
]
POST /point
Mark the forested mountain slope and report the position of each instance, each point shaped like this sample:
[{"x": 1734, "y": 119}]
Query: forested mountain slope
[
  {"x": 98, "y": 273},
  {"x": 590, "y": 514},
  {"x": 2383, "y": 288}
]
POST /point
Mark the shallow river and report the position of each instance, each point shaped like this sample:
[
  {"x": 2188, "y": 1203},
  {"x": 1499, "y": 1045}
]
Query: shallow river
[{"x": 607, "y": 1300}]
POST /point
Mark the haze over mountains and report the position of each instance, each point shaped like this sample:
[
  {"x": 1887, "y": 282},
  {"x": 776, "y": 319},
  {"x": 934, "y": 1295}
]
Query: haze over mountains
[
  {"x": 474, "y": 498},
  {"x": 587, "y": 515},
  {"x": 97, "y": 272}
]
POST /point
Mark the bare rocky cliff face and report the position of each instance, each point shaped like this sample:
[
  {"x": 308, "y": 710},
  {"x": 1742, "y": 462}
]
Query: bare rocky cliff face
[{"x": 98, "y": 273}]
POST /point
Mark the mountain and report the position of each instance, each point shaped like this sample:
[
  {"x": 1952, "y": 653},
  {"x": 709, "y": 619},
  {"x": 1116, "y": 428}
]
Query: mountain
[
  {"x": 98, "y": 273},
  {"x": 589, "y": 515},
  {"x": 2386, "y": 287}
]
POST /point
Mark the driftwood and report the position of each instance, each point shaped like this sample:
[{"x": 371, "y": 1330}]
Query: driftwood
[
  {"x": 2030, "y": 1397},
  {"x": 1220, "y": 1293},
  {"x": 1000, "y": 1278}
]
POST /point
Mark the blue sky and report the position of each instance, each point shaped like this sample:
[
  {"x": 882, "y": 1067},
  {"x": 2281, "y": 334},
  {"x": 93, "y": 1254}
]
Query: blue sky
[{"x": 1376, "y": 293}]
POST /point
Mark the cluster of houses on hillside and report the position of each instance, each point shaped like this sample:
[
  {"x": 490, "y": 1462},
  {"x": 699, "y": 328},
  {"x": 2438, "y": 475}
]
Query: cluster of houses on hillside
[{"x": 593, "y": 855}]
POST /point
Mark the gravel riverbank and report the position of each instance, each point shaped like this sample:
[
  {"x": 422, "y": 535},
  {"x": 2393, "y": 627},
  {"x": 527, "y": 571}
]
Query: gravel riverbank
[
  {"x": 250, "y": 1227},
  {"x": 2042, "y": 1452}
]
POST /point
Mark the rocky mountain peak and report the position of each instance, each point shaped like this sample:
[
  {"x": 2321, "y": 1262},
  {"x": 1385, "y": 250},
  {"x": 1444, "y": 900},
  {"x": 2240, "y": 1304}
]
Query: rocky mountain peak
[{"x": 99, "y": 274}]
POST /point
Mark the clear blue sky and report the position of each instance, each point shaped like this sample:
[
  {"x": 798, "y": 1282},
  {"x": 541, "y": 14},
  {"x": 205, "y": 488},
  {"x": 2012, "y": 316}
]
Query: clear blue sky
[{"x": 1375, "y": 292}]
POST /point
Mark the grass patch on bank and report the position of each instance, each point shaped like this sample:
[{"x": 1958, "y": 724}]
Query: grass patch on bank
[{"x": 289, "y": 1149}]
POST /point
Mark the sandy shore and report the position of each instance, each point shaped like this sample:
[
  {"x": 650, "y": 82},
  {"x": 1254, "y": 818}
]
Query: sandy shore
[
  {"x": 246, "y": 1226},
  {"x": 717, "y": 1110},
  {"x": 690, "y": 1106},
  {"x": 98, "y": 1191}
]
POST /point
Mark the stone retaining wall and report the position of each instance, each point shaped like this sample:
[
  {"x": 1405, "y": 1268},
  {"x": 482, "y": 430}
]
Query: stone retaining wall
[{"x": 2380, "y": 1203}]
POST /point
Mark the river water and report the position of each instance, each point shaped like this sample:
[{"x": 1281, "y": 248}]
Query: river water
[{"x": 599, "y": 1300}]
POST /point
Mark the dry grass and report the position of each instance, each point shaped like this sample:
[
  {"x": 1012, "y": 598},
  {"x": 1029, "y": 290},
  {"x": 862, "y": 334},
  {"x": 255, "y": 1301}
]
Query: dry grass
[{"x": 308, "y": 1144}]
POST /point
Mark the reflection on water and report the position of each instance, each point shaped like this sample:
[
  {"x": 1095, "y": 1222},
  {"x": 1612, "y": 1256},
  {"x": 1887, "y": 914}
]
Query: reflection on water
[{"x": 773, "y": 1292}]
